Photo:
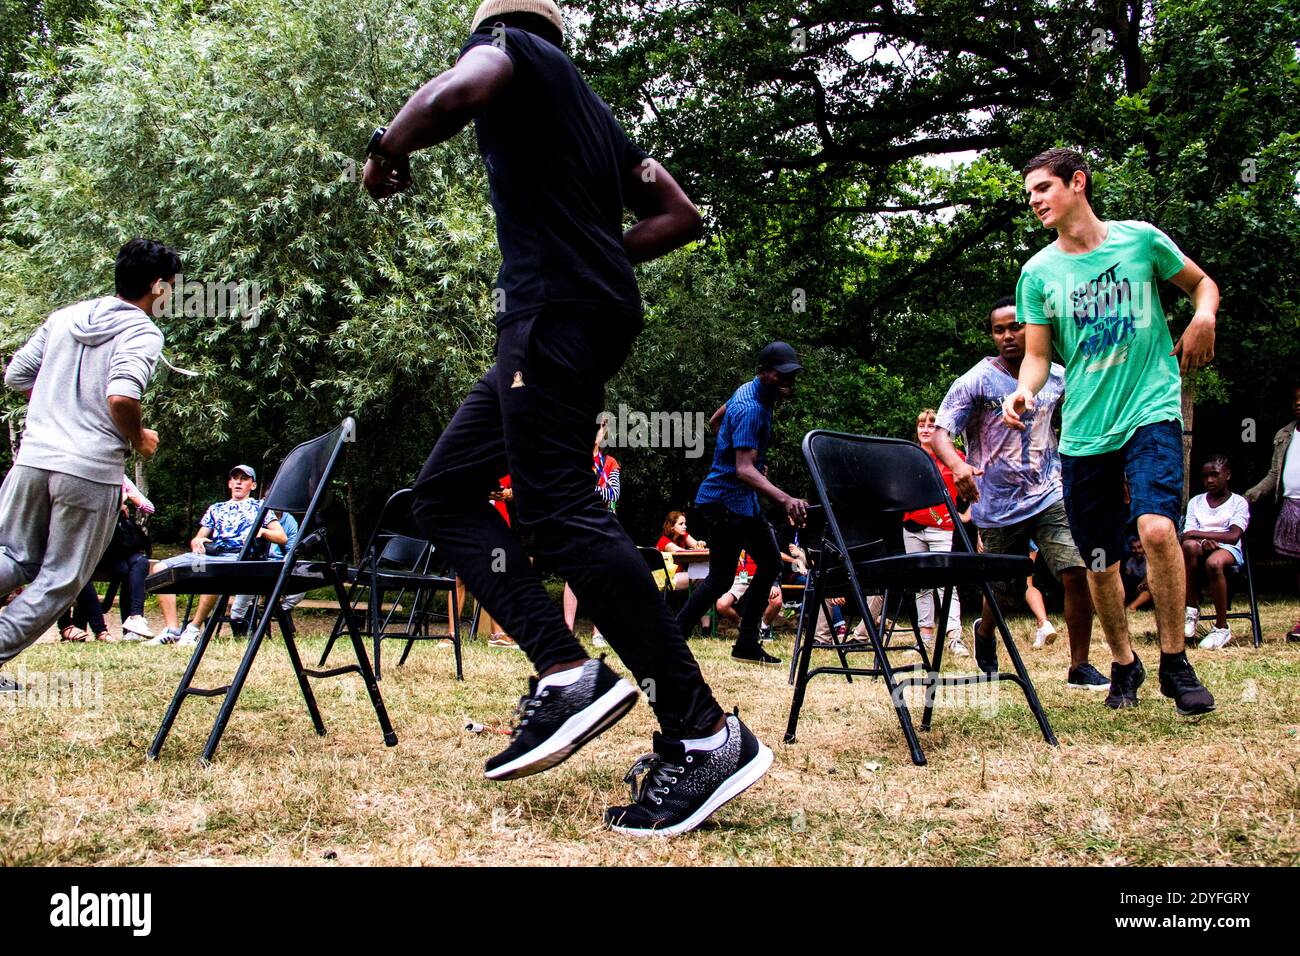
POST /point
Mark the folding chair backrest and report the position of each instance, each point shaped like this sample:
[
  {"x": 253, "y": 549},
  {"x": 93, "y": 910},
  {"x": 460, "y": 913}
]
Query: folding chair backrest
[
  {"x": 403, "y": 552},
  {"x": 867, "y": 483},
  {"x": 298, "y": 481}
]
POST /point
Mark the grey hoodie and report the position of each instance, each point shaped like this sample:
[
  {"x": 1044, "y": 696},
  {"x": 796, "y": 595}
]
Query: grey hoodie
[{"x": 81, "y": 355}]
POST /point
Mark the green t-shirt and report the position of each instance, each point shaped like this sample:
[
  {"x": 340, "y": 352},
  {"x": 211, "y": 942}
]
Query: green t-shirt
[{"x": 1110, "y": 330}]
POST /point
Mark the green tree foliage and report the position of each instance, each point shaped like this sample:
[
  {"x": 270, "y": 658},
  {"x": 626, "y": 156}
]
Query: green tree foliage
[{"x": 235, "y": 131}]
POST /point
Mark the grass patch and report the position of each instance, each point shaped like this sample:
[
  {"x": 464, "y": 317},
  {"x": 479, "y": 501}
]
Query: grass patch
[{"x": 1131, "y": 788}]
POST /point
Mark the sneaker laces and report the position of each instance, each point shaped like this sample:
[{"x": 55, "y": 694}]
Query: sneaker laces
[
  {"x": 651, "y": 775},
  {"x": 1181, "y": 675},
  {"x": 527, "y": 706}
]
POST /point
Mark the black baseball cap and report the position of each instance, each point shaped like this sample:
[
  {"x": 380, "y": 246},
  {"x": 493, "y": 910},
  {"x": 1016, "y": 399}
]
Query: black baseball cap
[
  {"x": 779, "y": 356},
  {"x": 246, "y": 469}
]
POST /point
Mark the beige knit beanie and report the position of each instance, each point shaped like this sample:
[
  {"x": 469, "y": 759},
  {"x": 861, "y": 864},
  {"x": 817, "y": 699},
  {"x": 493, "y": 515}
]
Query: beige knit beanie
[{"x": 495, "y": 8}]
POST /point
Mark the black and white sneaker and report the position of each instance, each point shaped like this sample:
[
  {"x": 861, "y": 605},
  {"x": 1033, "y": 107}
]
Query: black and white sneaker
[
  {"x": 1179, "y": 681},
  {"x": 9, "y": 686},
  {"x": 674, "y": 790},
  {"x": 553, "y": 723},
  {"x": 753, "y": 654},
  {"x": 986, "y": 649},
  {"x": 1086, "y": 677},
  {"x": 1125, "y": 679}
]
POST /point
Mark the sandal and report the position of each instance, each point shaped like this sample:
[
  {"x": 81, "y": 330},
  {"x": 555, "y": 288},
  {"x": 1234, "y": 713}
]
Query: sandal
[
  {"x": 105, "y": 636},
  {"x": 73, "y": 634}
]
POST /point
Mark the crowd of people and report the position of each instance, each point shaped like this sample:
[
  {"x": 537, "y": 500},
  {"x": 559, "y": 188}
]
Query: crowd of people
[{"x": 571, "y": 312}]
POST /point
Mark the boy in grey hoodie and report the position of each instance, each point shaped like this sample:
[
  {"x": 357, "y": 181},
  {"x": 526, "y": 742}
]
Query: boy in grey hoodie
[{"x": 84, "y": 372}]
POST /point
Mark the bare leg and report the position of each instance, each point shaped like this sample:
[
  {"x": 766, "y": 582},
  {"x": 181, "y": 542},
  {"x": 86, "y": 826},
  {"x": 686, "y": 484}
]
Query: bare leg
[
  {"x": 1167, "y": 577},
  {"x": 167, "y": 604},
  {"x": 1107, "y": 590},
  {"x": 1034, "y": 598},
  {"x": 1218, "y": 562},
  {"x": 1078, "y": 613},
  {"x": 1191, "y": 568},
  {"x": 206, "y": 603},
  {"x": 726, "y": 610},
  {"x": 570, "y": 607}
]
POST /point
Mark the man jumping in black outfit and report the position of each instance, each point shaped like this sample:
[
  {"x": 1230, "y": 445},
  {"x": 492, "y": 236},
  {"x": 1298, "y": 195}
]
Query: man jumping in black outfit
[{"x": 561, "y": 172}]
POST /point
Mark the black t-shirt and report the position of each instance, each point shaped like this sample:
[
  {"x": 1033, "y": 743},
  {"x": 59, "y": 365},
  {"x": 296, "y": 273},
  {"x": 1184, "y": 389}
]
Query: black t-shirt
[{"x": 556, "y": 161}]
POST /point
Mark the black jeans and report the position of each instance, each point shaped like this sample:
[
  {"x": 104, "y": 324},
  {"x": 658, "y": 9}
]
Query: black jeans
[
  {"x": 729, "y": 534},
  {"x": 131, "y": 572},
  {"x": 533, "y": 415}
]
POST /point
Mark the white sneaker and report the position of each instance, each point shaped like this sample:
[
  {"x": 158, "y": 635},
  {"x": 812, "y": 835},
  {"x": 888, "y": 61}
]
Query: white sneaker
[
  {"x": 1217, "y": 638},
  {"x": 1189, "y": 624},
  {"x": 136, "y": 625},
  {"x": 955, "y": 646},
  {"x": 168, "y": 635},
  {"x": 1044, "y": 635},
  {"x": 189, "y": 637}
]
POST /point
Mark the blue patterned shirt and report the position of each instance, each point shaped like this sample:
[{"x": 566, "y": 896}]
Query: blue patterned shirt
[
  {"x": 746, "y": 424},
  {"x": 230, "y": 522}
]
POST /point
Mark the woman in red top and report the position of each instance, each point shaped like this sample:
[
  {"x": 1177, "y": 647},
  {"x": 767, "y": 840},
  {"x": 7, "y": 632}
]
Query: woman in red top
[
  {"x": 930, "y": 529},
  {"x": 675, "y": 537}
]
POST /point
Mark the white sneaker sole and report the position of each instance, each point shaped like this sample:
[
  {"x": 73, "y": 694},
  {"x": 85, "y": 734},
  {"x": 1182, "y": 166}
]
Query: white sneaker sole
[
  {"x": 131, "y": 630},
  {"x": 1105, "y": 686},
  {"x": 590, "y": 722},
  {"x": 734, "y": 786}
]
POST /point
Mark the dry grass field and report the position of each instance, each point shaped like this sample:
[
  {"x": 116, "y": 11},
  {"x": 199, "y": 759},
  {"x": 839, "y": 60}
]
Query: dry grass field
[{"x": 1142, "y": 787}]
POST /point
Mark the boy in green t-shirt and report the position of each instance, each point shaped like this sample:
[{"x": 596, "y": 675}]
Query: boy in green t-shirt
[{"x": 1093, "y": 294}]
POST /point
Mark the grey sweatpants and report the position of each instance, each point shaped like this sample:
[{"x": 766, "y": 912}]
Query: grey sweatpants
[{"x": 54, "y": 529}]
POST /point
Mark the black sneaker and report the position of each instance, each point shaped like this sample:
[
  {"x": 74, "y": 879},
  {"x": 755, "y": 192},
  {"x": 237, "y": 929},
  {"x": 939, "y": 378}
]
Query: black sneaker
[
  {"x": 554, "y": 723},
  {"x": 1086, "y": 677},
  {"x": 680, "y": 789},
  {"x": 1178, "y": 680},
  {"x": 753, "y": 654},
  {"x": 238, "y": 627},
  {"x": 986, "y": 650},
  {"x": 1125, "y": 679}
]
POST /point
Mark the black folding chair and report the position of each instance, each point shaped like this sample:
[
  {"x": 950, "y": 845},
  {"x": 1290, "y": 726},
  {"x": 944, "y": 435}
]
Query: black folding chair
[
  {"x": 1246, "y": 571},
  {"x": 396, "y": 560},
  {"x": 300, "y": 487},
  {"x": 865, "y": 485}
]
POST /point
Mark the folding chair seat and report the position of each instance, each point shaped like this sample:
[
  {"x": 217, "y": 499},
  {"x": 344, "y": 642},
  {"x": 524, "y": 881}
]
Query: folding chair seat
[
  {"x": 300, "y": 487},
  {"x": 864, "y": 485},
  {"x": 397, "y": 561}
]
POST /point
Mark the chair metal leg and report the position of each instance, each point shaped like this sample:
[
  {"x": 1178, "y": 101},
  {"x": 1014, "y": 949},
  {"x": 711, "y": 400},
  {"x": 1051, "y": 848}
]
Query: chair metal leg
[
  {"x": 290, "y": 645},
  {"x": 800, "y": 688},
  {"x": 179, "y": 696},
  {"x": 232, "y": 693},
  {"x": 1255, "y": 631},
  {"x": 1026, "y": 685},
  {"x": 368, "y": 676}
]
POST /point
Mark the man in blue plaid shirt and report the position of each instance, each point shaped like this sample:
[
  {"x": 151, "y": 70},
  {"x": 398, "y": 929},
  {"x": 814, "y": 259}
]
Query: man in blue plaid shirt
[{"x": 728, "y": 500}]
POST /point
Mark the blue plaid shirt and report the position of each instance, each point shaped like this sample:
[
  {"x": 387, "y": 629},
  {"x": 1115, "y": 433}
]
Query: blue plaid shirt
[{"x": 746, "y": 424}]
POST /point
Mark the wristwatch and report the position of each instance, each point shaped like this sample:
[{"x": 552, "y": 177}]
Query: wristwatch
[{"x": 372, "y": 148}]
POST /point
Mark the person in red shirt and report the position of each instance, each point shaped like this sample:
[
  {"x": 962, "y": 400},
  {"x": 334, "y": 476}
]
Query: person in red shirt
[{"x": 930, "y": 529}]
